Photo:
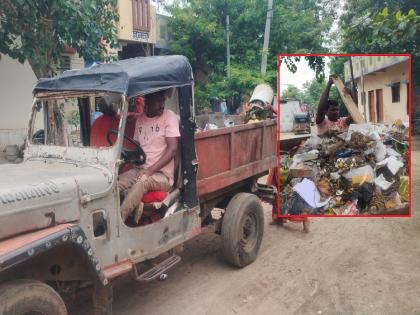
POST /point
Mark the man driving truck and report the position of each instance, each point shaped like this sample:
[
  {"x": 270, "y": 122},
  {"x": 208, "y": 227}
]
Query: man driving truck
[{"x": 157, "y": 132}]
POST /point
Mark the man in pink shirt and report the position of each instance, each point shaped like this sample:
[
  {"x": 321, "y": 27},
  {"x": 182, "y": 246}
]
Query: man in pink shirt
[
  {"x": 328, "y": 117},
  {"x": 157, "y": 131}
]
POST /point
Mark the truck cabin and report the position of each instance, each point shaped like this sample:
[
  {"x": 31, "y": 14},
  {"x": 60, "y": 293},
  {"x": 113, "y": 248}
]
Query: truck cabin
[{"x": 93, "y": 126}]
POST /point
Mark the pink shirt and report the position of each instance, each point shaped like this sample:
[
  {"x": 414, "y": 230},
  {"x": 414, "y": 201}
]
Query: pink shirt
[
  {"x": 151, "y": 133},
  {"x": 340, "y": 125}
]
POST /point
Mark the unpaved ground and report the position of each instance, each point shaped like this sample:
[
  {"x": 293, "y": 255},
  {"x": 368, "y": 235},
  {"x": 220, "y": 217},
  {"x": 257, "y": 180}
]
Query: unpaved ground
[{"x": 344, "y": 266}]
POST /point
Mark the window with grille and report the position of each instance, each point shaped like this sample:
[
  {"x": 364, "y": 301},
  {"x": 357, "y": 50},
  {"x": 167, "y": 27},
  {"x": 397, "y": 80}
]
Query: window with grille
[
  {"x": 395, "y": 88},
  {"x": 141, "y": 15}
]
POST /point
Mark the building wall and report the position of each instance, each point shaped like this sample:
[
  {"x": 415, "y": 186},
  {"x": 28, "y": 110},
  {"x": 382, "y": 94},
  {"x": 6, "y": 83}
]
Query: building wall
[
  {"x": 287, "y": 111},
  {"x": 370, "y": 64},
  {"x": 125, "y": 24},
  {"x": 17, "y": 81},
  {"x": 382, "y": 80},
  {"x": 75, "y": 61}
]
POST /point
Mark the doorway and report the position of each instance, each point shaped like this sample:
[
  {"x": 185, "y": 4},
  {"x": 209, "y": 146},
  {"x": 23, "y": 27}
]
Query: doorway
[
  {"x": 379, "y": 106},
  {"x": 371, "y": 100}
]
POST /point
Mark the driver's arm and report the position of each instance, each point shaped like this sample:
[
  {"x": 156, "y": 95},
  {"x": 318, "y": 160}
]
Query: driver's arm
[{"x": 170, "y": 152}]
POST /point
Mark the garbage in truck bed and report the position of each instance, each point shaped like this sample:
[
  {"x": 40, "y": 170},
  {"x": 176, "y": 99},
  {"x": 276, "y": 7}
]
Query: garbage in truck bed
[
  {"x": 363, "y": 171},
  {"x": 218, "y": 120},
  {"x": 259, "y": 109}
]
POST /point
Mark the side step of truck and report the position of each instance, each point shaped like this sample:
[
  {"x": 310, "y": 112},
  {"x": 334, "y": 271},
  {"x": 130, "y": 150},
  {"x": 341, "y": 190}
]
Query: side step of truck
[{"x": 157, "y": 270}]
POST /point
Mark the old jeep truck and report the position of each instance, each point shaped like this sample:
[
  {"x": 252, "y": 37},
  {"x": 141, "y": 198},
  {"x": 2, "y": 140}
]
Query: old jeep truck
[{"x": 60, "y": 222}]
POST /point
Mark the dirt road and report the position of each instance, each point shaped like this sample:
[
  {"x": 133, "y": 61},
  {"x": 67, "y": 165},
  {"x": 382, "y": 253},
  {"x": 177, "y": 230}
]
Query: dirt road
[{"x": 344, "y": 266}]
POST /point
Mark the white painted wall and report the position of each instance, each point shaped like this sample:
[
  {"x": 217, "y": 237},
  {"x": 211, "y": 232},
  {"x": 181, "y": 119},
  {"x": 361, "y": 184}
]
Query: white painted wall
[
  {"x": 16, "y": 83},
  {"x": 287, "y": 111}
]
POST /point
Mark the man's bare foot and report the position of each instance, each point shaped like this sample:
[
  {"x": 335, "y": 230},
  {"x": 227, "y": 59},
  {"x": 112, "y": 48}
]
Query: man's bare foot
[{"x": 306, "y": 226}]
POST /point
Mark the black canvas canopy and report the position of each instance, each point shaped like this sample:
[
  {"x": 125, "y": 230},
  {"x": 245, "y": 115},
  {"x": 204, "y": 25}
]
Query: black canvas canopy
[{"x": 132, "y": 77}]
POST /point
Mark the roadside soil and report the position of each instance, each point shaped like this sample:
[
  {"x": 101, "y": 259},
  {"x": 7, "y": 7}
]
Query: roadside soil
[{"x": 343, "y": 266}]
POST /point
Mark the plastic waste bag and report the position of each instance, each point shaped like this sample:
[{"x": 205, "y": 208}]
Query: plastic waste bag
[
  {"x": 360, "y": 175},
  {"x": 403, "y": 189}
]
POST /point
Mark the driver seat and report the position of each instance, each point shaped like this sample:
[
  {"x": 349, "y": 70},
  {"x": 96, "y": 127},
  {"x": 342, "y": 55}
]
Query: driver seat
[
  {"x": 160, "y": 204},
  {"x": 100, "y": 128}
]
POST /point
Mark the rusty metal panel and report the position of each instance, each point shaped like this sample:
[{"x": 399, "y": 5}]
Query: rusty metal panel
[
  {"x": 229, "y": 155},
  {"x": 222, "y": 180},
  {"x": 270, "y": 141},
  {"x": 213, "y": 154},
  {"x": 246, "y": 147}
]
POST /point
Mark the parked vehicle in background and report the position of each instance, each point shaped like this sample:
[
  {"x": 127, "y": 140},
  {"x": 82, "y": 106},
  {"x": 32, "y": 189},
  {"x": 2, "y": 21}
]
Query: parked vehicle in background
[{"x": 301, "y": 123}]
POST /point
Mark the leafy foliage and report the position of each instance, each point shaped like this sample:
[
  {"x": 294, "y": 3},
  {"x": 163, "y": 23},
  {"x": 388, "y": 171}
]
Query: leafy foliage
[
  {"x": 292, "y": 92},
  {"x": 38, "y": 31},
  {"x": 198, "y": 31},
  {"x": 312, "y": 93},
  {"x": 385, "y": 33}
]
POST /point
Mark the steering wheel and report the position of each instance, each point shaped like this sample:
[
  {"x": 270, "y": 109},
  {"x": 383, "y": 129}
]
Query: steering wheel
[
  {"x": 135, "y": 156},
  {"x": 38, "y": 137}
]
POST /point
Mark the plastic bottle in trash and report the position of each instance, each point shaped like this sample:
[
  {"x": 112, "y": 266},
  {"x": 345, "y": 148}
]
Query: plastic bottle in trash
[{"x": 344, "y": 153}]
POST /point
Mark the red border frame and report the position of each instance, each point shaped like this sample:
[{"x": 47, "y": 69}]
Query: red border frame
[{"x": 410, "y": 91}]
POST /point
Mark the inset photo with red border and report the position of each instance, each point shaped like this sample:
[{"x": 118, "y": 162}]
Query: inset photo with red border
[{"x": 344, "y": 136}]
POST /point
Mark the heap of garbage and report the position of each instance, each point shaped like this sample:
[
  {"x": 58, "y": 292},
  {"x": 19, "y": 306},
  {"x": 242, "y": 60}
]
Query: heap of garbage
[
  {"x": 363, "y": 171},
  {"x": 253, "y": 112}
]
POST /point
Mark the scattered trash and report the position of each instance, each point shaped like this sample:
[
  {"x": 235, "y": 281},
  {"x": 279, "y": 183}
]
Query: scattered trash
[
  {"x": 392, "y": 163},
  {"x": 403, "y": 189},
  {"x": 361, "y": 171},
  {"x": 309, "y": 192},
  {"x": 163, "y": 276}
]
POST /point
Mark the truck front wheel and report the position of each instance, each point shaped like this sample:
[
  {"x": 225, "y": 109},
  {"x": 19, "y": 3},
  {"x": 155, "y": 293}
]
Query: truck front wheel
[
  {"x": 242, "y": 229},
  {"x": 30, "y": 297}
]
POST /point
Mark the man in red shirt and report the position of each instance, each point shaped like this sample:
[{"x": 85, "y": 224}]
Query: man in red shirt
[{"x": 108, "y": 121}]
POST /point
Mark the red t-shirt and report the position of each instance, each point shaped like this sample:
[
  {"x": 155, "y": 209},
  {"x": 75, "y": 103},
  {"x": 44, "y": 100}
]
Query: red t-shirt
[{"x": 338, "y": 125}]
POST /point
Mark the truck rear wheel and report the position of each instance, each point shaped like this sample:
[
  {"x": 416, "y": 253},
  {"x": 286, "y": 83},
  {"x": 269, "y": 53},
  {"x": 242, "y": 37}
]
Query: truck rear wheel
[
  {"x": 30, "y": 297},
  {"x": 242, "y": 229}
]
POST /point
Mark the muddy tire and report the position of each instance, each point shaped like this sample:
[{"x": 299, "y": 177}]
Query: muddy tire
[
  {"x": 102, "y": 299},
  {"x": 242, "y": 229},
  {"x": 30, "y": 297}
]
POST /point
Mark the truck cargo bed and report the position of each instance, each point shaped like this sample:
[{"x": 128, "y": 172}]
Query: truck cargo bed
[{"x": 230, "y": 155}]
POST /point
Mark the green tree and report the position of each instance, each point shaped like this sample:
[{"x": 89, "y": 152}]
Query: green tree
[
  {"x": 38, "y": 31},
  {"x": 292, "y": 92},
  {"x": 312, "y": 91},
  {"x": 198, "y": 31},
  {"x": 354, "y": 9},
  {"x": 385, "y": 33}
]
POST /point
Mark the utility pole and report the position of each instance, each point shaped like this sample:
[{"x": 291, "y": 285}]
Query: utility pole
[
  {"x": 227, "y": 46},
  {"x": 266, "y": 37},
  {"x": 352, "y": 81}
]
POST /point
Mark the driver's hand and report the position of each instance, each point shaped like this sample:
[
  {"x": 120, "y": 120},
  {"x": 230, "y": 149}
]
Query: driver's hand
[{"x": 143, "y": 172}]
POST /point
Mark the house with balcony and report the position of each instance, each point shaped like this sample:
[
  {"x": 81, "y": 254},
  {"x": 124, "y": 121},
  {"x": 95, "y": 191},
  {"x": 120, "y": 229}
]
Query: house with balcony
[
  {"x": 382, "y": 86},
  {"x": 141, "y": 32},
  {"x": 136, "y": 28}
]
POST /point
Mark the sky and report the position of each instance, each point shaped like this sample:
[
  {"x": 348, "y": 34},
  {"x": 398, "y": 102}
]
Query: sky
[{"x": 303, "y": 74}]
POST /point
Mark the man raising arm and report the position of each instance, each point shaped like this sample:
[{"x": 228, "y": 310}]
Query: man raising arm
[{"x": 328, "y": 116}]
